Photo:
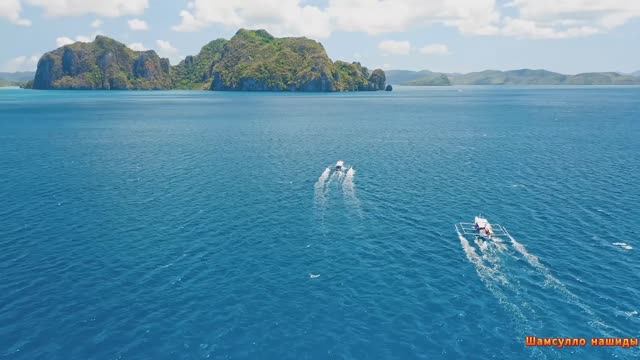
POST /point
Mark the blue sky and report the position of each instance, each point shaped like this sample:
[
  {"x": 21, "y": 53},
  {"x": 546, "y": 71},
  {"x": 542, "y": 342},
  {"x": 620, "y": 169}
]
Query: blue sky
[{"x": 568, "y": 36}]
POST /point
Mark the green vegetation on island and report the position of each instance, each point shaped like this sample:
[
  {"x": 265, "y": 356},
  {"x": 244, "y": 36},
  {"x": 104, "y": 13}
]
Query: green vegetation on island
[
  {"x": 101, "y": 64},
  {"x": 252, "y": 60},
  {"x": 512, "y": 77},
  {"x": 194, "y": 72}
]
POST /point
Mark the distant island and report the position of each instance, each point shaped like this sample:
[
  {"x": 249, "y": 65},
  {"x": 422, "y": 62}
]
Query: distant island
[
  {"x": 252, "y": 60},
  {"x": 513, "y": 77},
  {"x": 15, "y": 79}
]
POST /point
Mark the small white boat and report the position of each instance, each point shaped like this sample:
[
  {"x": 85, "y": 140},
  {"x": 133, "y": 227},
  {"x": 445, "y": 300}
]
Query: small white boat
[
  {"x": 482, "y": 228},
  {"x": 339, "y": 165}
]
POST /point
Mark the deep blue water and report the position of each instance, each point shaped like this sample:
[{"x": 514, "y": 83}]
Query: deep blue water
[{"x": 186, "y": 225}]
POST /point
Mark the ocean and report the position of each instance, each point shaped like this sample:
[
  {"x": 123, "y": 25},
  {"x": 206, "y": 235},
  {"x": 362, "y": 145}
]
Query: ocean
[{"x": 189, "y": 225}]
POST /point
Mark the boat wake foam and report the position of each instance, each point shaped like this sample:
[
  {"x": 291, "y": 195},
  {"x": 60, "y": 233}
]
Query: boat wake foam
[
  {"x": 349, "y": 190},
  {"x": 320, "y": 187},
  {"x": 622, "y": 245},
  {"x": 496, "y": 263},
  {"x": 488, "y": 268},
  {"x": 344, "y": 178},
  {"x": 553, "y": 282}
]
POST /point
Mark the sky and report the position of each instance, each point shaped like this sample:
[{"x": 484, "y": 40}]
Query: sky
[{"x": 568, "y": 36}]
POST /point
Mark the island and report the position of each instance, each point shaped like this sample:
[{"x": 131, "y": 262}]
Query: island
[
  {"x": 252, "y": 60},
  {"x": 511, "y": 77}
]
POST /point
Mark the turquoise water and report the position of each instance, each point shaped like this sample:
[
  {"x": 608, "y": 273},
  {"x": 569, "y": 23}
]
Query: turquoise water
[{"x": 185, "y": 225}]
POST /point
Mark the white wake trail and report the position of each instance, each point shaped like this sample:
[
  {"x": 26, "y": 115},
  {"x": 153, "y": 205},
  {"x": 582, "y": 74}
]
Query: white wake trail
[
  {"x": 348, "y": 187},
  {"x": 552, "y": 281},
  {"x": 494, "y": 280},
  {"x": 485, "y": 272},
  {"x": 320, "y": 186}
]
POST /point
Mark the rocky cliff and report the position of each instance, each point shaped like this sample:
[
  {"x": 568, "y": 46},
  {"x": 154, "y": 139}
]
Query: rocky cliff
[
  {"x": 257, "y": 61},
  {"x": 102, "y": 64}
]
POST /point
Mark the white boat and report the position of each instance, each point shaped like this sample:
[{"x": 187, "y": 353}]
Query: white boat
[
  {"x": 339, "y": 165},
  {"x": 481, "y": 227}
]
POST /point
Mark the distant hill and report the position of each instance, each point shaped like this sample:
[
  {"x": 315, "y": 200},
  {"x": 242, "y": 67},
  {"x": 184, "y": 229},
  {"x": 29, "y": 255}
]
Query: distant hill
[
  {"x": 636, "y": 74},
  {"x": 420, "y": 78},
  {"x": 428, "y": 78},
  {"x": 17, "y": 76},
  {"x": 512, "y": 77},
  {"x": 604, "y": 78}
]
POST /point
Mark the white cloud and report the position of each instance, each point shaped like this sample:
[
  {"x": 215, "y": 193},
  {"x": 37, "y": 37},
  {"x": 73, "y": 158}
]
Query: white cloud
[
  {"x": 21, "y": 63},
  {"x": 111, "y": 8},
  {"x": 292, "y": 17},
  {"x": 551, "y": 19},
  {"x": 392, "y": 47},
  {"x": 138, "y": 25},
  {"x": 435, "y": 49},
  {"x": 96, "y": 23},
  {"x": 534, "y": 30},
  {"x": 137, "y": 47},
  {"x": 548, "y": 19},
  {"x": 165, "y": 49},
  {"x": 10, "y": 10},
  {"x": 65, "y": 40},
  {"x": 280, "y": 17},
  {"x": 383, "y": 16}
]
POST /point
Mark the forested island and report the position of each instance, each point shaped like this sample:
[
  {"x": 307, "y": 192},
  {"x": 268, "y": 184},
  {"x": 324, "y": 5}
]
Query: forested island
[{"x": 252, "y": 60}]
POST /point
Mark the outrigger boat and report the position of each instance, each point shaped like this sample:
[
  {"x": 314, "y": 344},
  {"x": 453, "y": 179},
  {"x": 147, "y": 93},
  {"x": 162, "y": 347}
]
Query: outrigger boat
[{"x": 482, "y": 228}]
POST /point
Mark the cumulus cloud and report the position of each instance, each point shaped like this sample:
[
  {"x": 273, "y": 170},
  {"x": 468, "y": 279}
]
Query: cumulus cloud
[
  {"x": 10, "y": 10},
  {"x": 548, "y": 19},
  {"x": 21, "y": 63},
  {"x": 392, "y": 47},
  {"x": 137, "y": 47},
  {"x": 165, "y": 49},
  {"x": 138, "y": 25},
  {"x": 383, "y": 16},
  {"x": 96, "y": 23},
  {"x": 111, "y": 8},
  {"x": 280, "y": 17},
  {"x": 535, "y": 30},
  {"x": 65, "y": 40},
  {"x": 435, "y": 49}
]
